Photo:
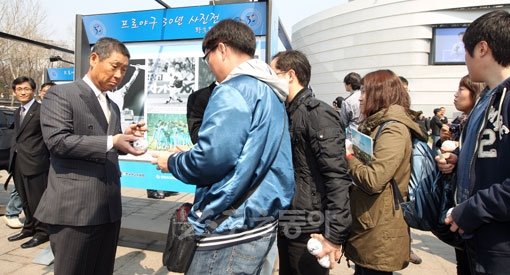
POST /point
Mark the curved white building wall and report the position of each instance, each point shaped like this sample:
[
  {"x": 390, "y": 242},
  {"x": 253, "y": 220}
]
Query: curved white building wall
[{"x": 367, "y": 35}]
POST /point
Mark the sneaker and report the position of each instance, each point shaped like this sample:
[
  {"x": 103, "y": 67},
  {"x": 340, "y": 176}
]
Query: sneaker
[
  {"x": 13, "y": 222},
  {"x": 415, "y": 259}
]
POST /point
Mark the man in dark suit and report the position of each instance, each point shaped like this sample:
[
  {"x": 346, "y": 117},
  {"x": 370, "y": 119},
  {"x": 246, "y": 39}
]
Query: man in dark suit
[
  {"x": 81, "y": 127},
  {"x": 29, "y": 161}
]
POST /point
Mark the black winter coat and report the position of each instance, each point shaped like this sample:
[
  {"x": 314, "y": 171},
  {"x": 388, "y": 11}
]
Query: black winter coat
[{"x": 321, "y": 201}]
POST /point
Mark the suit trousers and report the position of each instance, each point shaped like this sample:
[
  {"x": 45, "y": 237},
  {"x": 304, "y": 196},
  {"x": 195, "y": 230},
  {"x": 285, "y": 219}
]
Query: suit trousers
[
  {"x": 84, "y": 250},
  {"x": 30, "y": 190}
]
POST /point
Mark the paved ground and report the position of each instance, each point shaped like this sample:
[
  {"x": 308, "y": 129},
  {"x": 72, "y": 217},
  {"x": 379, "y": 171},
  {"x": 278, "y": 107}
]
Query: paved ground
[{"x": 144, "y": 226}]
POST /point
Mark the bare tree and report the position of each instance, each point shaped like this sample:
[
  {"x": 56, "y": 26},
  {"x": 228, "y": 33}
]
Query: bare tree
[{"x": 24, "y": 18}]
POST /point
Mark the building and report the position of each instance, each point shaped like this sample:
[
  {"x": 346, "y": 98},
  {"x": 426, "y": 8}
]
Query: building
[{"x": 405, "y": 36}]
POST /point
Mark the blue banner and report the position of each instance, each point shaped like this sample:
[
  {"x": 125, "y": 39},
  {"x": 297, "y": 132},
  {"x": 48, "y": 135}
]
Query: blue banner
[
  {"x": 172, "y": 24},
  {"x": 61, "y": 74},
  {"x": 142, "y": 174}
]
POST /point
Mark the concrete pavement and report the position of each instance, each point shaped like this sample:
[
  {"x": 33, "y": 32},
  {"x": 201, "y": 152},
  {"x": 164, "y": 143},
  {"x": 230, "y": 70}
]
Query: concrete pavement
[{"x": 143, "y": 232}]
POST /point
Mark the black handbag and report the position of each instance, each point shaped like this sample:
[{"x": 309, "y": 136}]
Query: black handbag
[{"x": 181, "y": 241}]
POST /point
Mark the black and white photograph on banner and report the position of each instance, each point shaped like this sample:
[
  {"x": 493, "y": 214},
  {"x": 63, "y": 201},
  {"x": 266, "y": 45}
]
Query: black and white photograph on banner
[
  {"x": 205, "y": 76},
  {"x": 170, "y": 80},
  {"x": 130, "y": 94}
]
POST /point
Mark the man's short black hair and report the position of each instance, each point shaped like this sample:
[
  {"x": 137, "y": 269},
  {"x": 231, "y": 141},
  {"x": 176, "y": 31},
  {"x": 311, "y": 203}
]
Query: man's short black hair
[
  {"x": 233, "y": 33},
  {"x": 436, "y": 110},
  {"x": 353, "y": 79},
  {"x": 23, "y": 79},
  {"x": 105, "y": 46},
  {"x": 296, "y": 61},
  {"x": 48, "y": 84},
  {"x": 492, "y": 28},
  {"x": 338, "y": 101}
]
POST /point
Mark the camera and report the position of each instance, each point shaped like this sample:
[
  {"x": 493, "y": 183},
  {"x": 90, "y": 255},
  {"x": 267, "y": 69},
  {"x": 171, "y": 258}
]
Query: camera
[{"x": 455, "y": 130}]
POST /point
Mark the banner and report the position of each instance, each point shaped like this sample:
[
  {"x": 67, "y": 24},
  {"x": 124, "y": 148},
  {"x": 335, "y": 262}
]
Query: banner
[{"x": 172, "y": 24}]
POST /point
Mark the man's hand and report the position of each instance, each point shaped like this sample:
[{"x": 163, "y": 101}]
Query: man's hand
[
  {"x": 136, "y": 129},
  {"x": 122, "y": 142},
  {"x": 446, "y": 162},
  {"x": 328, "y": 248},
  {"x": 453, "y": 226},
  {"x": 161, "y": 160}
]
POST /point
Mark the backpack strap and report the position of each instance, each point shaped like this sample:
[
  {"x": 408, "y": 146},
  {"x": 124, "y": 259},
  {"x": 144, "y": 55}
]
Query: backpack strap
[{"x": 397, "y": 196}]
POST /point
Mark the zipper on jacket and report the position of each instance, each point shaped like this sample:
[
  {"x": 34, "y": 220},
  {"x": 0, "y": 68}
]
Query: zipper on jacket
[{"x": 472, "y": 165}]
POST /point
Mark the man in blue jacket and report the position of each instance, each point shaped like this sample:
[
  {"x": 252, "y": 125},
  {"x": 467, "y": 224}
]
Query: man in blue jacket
[
  {"x": 482, "y": 216},
  {"x": 243, "y": 140}
]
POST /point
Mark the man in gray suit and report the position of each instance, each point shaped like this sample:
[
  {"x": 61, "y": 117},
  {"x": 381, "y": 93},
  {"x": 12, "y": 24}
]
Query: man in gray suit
[{"x": 81, "y": 128}]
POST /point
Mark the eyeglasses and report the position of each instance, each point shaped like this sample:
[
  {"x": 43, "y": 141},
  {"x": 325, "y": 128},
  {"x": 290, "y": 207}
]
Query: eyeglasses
[
  {"x": 206, "y": 55},
  {"x": 26, "y": 89}
]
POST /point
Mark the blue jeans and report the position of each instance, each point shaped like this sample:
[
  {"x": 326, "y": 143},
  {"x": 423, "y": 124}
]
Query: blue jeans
[
  {"x": 15, "y": 205},
  {"x": 245, "y": 258},
  {"x": 268, "y": 265}
]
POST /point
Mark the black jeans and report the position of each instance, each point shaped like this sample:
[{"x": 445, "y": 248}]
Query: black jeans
[
  {"x": 359, "y": 270},
  {"x": 295, "y": 259},
  {"x": 462, "y": 262}
]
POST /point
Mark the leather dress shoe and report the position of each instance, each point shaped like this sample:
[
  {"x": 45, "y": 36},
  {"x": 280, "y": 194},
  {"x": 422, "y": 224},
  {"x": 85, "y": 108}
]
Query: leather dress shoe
[
  {"x": 155, "y": 194},
  {"x": 35, "y": 241},
  {"x": 170, "y": 193},
  {"x": 19, "y": 236}
]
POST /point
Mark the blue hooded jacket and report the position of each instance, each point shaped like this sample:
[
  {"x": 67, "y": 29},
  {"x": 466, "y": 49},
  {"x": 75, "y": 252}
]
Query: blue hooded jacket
[{"x": 243, "y": 124}]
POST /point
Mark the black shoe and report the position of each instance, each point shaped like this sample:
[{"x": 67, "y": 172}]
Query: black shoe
[
  {"x": 154, "y": 194},
  {"x": 21, "y": 235},
  {"x": 415, "y": 259},
  {"x": 170, "y": 193},
  {"x": 35, "y": 241}
]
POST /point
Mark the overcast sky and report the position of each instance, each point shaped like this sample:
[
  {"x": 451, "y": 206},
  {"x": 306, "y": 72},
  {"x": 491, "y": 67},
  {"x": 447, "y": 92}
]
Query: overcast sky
[{"x": 61, "y": 13}]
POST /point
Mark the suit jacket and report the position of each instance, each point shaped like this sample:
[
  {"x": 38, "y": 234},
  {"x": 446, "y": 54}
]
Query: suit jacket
[
  {"x": 84, "y": 180},
  {"x": 29, "y": 148}
]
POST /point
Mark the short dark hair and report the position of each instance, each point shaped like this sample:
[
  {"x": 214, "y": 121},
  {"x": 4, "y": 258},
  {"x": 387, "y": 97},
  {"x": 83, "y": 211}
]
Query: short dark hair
[
  {"x": 297, "y": 61},
  {"x": 382, "y": 89},
  {"x": 23, "y": 79},
  {"x": 48, "y": 84},
  {"x": 436, "y": 110},
  {"x": 492, "y": 28},
  {"x": 404, "y": 80},
  {"x": 105, "y": 46},
  {"x": 353, "y": 79},
  {"x": 338, "y": 101},
  {"x": 233, "y": 33}
]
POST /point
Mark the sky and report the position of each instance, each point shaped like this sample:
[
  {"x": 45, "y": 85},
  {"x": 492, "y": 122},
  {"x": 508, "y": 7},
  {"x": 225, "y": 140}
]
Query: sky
[{"x": 61, "y": 13}]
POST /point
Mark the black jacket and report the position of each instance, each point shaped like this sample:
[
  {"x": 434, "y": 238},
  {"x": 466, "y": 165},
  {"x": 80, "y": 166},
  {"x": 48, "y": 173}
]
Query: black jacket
[
  {"x": 197, "y": 102},
  {"x": 29, "y": 147},
  {"x": 435, "y": 125},
  {"x": 321, "y": 201}
]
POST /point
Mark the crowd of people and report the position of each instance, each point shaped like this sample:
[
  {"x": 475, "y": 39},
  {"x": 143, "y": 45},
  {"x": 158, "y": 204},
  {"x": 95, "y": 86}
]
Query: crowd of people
[{"x": 270, "y": 161}]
